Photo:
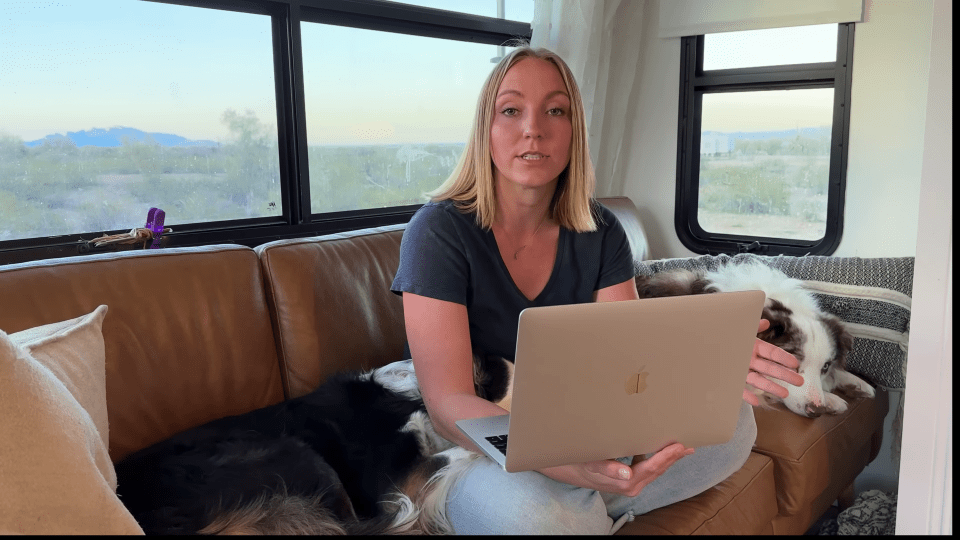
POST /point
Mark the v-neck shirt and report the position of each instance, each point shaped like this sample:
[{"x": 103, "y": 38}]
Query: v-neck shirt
[{"x": 445, "y": 255}]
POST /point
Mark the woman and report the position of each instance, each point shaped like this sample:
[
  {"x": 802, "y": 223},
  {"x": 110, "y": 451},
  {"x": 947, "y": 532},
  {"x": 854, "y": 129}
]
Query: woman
[{"x": 516, "y": 226}]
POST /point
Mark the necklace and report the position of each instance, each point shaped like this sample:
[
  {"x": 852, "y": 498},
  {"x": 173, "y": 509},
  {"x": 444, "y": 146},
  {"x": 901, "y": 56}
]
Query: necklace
[{"x": 516, "y": 254}]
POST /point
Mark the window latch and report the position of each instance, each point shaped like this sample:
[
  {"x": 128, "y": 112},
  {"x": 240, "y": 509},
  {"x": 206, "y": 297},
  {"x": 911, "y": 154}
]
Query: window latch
[{"x": 753, "y": 247}]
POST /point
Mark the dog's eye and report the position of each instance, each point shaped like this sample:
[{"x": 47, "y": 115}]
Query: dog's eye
[{"x": 826, "y": 367}]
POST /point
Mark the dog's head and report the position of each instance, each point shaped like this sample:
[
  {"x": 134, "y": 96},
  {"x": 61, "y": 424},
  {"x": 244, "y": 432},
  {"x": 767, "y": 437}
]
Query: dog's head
[
  {"x": 820, "y": 343},
  {"x": 493, "y": 379}
]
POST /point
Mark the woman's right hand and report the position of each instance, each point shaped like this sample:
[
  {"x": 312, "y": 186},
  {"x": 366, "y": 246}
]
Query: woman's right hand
[{"x": 611, "y": 476}]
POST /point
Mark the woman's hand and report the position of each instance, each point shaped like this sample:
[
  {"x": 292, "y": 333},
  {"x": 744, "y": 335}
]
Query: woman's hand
[
  {"x": 768, "y": 359},
  {"x": 614, "y": 477}
]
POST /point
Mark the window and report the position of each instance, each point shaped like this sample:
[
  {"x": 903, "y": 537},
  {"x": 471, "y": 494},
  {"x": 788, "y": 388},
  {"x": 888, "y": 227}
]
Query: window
[
  {"x": 764, "y": 118},
  {"x": 244, "y": 120},
  {"x": 162, "y": 113},
  {"x": 370, "y": 150}
]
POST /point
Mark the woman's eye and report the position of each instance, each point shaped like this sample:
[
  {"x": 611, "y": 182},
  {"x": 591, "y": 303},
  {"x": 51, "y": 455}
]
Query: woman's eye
[
  {"x": 556, "y": 111},
  {"x": 509, "y": 111}
]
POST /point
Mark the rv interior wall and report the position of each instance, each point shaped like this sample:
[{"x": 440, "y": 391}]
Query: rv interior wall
[
  {"x": 890, "y": 83},
  {"x": 890, "y": 78},
  {"x": 926, "y": 479}
]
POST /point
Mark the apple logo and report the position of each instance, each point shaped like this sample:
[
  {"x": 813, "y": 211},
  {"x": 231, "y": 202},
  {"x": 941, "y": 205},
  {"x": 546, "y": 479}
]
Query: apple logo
[{"x": 636, "y": 382}]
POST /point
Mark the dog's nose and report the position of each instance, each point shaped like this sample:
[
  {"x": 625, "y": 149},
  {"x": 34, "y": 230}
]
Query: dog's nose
[{"x": 813, "y": 411}]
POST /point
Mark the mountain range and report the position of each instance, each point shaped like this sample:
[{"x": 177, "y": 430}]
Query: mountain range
[{"x": 114, "y": 137}]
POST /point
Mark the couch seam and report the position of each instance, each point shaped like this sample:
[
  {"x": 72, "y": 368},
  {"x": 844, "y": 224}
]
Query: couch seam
[
  {"x": 343, "y": 235},
  {"x": 275, "y": 320},
  {"x": 113, "y": 257}
]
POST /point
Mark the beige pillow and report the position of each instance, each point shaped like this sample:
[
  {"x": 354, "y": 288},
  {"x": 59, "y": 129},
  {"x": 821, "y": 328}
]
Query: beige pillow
[{"x": 56, "y": 476}]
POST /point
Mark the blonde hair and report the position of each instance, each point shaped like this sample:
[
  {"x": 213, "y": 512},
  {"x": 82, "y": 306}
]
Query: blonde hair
[{"x": 470, "y": 185}]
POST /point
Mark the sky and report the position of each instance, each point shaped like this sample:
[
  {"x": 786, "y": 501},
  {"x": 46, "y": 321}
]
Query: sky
[
  {"x": 75, "y": 65},
  {"x": 769, "y": 110},
  {"x": 71, "y": 65}
]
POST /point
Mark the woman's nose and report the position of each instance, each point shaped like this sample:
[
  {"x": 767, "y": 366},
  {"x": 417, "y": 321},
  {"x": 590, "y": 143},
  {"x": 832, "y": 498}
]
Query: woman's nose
[{"x": 532, "y": 127}]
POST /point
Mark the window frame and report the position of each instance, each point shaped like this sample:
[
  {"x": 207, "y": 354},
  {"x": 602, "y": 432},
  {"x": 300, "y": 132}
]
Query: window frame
[
  {"x": 296, "y": 219},
  {"x": 694, "y": 82}
]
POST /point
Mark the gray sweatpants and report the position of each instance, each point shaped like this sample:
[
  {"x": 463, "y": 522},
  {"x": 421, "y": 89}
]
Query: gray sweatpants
[{"x": 489, "y": 500}]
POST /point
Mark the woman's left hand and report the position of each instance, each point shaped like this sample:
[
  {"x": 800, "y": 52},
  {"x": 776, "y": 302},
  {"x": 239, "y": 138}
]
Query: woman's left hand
[{"x": 768, "y": 359}]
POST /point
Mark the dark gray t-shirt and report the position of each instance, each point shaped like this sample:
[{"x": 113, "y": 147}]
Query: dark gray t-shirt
[{"x": 445, "y": 255}]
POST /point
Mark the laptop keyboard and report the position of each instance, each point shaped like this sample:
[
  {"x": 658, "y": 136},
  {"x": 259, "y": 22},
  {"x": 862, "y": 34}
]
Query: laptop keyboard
[{"x": 499, "y": 442}]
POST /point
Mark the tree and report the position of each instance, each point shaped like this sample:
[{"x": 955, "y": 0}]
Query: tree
[{"x": 252, "y": 162}]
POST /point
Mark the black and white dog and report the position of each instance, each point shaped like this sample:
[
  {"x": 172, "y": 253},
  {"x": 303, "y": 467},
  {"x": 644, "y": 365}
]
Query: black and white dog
[
  {"x": 358, "y": 455},
  {"x": 818, "y": 339}
]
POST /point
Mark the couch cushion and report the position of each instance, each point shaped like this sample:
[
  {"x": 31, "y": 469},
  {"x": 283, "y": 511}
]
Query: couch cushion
[
  {"x": 811, "y": 454},
  {"x": 188, "y": 338},
  {"x": 332, "y": 303},
  {"x": 744, "y": 503},
  {"x": 55, "y": 471}
]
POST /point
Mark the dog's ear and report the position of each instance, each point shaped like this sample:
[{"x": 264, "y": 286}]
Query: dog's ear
[
  {"x": 843, "y": 341},
  {"x": 780, "y": 323}
]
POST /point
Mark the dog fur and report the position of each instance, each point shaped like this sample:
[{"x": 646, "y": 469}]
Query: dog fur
[
  {"x": 358, "y": 455},
  {"x": 818, "y": 339}
]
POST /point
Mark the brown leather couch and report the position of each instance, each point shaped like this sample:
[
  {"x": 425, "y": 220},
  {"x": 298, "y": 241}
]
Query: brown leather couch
[{"x": 194, "y": 334}]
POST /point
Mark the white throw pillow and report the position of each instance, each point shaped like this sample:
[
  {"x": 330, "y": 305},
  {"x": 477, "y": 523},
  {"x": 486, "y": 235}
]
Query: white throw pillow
[{"x": 56, "y": 476}]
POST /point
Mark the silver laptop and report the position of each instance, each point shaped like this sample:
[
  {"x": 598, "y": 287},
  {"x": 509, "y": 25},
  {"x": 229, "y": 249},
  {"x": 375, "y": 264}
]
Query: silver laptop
[{"x": 611, "y": 379}]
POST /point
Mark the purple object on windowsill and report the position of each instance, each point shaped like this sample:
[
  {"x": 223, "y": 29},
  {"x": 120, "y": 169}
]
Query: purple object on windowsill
[{"x": 155, "y": 223}]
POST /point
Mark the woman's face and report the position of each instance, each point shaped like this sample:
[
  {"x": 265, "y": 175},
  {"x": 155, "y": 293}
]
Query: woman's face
[{"x": 531, "y": 130}]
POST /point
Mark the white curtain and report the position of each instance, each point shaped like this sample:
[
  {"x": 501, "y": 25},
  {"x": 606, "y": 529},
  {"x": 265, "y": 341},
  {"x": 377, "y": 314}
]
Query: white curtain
[{"x": 600, "y": 41}]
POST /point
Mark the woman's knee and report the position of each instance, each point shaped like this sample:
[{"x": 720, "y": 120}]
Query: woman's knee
[
  {"x": 745, "y": 435},
  {"x": 727, "y": 458},
  {"x": 720, "y": 461},
  {"x": 489, "y": 500},
  {"x": 694, "y": 474}
]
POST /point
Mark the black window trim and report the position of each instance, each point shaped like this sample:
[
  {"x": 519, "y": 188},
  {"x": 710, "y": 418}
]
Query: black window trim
[
  {"x": 296, "y": 219},
  {"x": 694, "y": 82}
]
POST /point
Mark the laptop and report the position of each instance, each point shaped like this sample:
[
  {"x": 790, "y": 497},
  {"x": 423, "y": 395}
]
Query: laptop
[{"x": 605, "y": 380}]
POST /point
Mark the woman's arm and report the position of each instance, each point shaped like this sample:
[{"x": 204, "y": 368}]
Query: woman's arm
[
  {"x": 614, "y": 293},
  {"x": 439, "y": 338}
]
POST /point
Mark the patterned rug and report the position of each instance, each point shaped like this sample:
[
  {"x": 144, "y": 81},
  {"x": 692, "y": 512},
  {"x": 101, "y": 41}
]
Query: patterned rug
[{"x": 873, "y": 513}]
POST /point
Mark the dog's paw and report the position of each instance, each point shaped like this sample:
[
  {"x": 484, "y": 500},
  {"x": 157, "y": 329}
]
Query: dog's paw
[
  {"x": 766, "y": 399},
  {"x": 398, "y": 377},
  {"x": 851, "y": 386},
  {"x": 834, "y": 404}
]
